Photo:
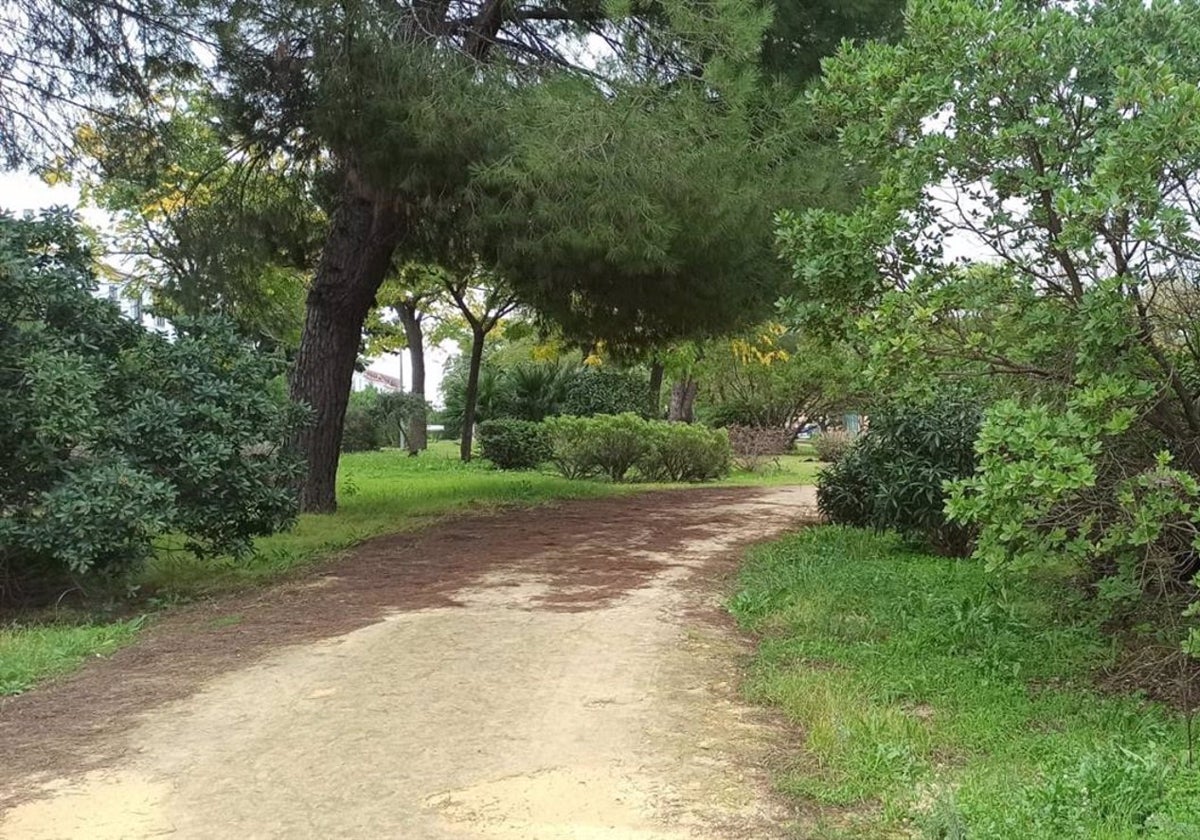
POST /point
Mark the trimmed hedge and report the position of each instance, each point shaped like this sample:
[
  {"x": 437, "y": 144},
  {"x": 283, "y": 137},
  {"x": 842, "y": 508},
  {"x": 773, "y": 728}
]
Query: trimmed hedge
[
  {"x": 514, "y": 444},
  {"x": 685, "y": 452},
  {"x": 617, "y": 445},
  {"x": 603, "y": 392}
]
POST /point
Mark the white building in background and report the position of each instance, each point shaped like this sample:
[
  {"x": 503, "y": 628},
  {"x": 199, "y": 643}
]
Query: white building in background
[
  {"x": 134, "y": 305},
  {"x": 381, "y": 382}
]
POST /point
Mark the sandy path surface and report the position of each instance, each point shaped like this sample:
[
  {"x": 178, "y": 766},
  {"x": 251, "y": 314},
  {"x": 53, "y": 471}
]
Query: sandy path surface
[{"x": 556, "y": 673}]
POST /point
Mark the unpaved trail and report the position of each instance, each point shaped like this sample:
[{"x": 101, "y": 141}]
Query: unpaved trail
[{"x": 560, "y": 672}]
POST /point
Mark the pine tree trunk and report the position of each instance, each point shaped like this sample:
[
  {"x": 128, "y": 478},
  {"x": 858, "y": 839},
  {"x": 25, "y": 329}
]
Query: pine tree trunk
[
  {"x": 656, "y": 381},
  {"x": 472, "y": 395},
  {"x": 354, "y": 262},
  {"x": 418, "y": 426},
  {"x": 683, "y": 399}
]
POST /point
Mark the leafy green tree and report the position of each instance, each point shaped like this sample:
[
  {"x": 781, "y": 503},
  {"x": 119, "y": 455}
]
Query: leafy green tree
[
  {"x": 483, "y": 300},
  {"x": 662, "y": 192},
  {"x": 417, "y": 295},
  {"x": 1057, "y": 145},
  {"x": 113, "y": 435},
  {"x": 403, "y": 107},
  {"x": 586, "y": 179},
  {"x": 217, "y": 231},
  {"x": 775, "y": 379}
]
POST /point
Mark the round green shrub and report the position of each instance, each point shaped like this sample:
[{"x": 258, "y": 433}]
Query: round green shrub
[
  {"x": 572, "y": 446},
  {"x": 113, "y": 435},
  {"x": 361, "y": 430},
  {"x": 514, "y": 444},
  {"x": 685, "y": 452}
]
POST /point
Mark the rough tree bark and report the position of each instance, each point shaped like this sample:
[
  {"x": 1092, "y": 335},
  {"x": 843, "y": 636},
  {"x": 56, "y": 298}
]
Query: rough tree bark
[
  {"x": 656, "y": 381},
  {"x": 471, "y": 400},
  {"x": 357, "y": 255},
  {"x": 414, "y": 334},
  {"x": 683, "y": 399}
]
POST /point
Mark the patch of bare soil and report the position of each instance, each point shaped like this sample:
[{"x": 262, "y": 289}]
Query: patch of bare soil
[{"x": 560, "y": 672}]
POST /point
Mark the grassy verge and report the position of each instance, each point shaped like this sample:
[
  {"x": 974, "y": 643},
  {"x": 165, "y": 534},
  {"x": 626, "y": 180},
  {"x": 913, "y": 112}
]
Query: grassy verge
[
  {"x": 937, "y": 701},
  {"x": 32, "y": 653},
  {"x": 378, "y": 493}
]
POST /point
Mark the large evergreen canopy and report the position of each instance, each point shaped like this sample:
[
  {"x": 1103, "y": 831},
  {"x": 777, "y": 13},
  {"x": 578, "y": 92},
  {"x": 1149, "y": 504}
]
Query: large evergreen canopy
[{"x": 619, "y": 162}]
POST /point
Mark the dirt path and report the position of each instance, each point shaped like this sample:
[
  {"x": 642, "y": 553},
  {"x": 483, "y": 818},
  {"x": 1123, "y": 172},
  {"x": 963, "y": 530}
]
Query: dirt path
[{"x": 536, "y": 675}]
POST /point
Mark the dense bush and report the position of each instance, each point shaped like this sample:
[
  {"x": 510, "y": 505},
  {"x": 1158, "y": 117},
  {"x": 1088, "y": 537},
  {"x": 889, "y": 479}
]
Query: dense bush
[
  {"x": 571, "y": 446},
  {"x": 360, "y": 431},
  {"x": 685, "y": 452},
  {"x": 831, "y": 446},
  {"x": 514, "y": 444},
  {"x": 617, "y": 443},
  {"x": 113, "y": 435},
  {"x": 596, "y": 391},
  {"x": 893, "y": 476},
  {"x": 614, "y": 445}
]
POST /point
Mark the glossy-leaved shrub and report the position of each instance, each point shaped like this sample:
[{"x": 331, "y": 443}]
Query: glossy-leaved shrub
[
  {"x": 894, "y": 476},
  {"x": 113, "y": 435}
]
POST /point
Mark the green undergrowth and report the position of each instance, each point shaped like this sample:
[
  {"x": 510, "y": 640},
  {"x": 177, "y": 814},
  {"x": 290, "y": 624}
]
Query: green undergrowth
[{"x": 938, "y": 701}]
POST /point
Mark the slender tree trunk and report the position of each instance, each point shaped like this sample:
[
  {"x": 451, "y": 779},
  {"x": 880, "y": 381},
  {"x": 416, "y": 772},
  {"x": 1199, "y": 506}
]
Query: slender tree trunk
[
  {"x": 683, "y": 399},
  {"x": 356, "y": 257},
  {"x": 656, "y": 381},
  {"x": 418, "y": 426},
  {"x": 472, "y": 395}
]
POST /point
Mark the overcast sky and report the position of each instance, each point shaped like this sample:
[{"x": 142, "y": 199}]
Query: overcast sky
[{"x": 19, "y": 192}]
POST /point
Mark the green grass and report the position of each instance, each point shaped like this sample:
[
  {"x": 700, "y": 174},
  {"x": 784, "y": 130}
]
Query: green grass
[
  {"x": 378, "y": 493},
  {"x": 938, "y": 701},
  {"x": 784, "y": 470},
  {"x": 32, "y": 653}
]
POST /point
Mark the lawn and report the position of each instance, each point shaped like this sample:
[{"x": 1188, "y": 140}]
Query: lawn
[
  {"x": 937, "y": 701},
  {"x": 378, "y": 493}
]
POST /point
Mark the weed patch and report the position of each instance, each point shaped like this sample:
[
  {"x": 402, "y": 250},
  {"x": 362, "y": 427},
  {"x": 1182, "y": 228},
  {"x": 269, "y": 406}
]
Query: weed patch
[{"x": 950, "y": 703}]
